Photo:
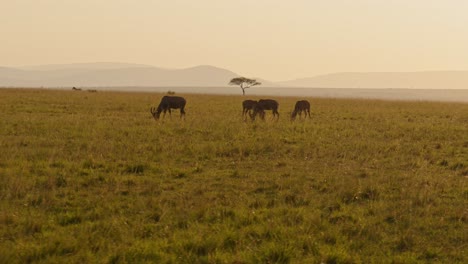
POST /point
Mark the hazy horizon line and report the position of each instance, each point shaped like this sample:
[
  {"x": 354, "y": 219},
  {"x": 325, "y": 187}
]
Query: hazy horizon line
[{"x": 225, "y": 68}]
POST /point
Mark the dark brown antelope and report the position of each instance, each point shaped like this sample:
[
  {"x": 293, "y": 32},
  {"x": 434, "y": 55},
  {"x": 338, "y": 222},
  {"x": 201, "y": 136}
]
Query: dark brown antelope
[
  {"x": 167, "y": 103},
  {"x": 265, "y": 104},
  {"x": 301, "y": 106},
  {"x": 247, "y": 107}
]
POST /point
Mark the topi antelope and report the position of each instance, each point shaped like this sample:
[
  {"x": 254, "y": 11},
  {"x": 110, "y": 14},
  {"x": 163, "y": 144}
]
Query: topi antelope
[
  {"x": 167, "y": 103},
  {"x": 301, "y": 106},
  {"x": 248, "y": 107},
  {"x": 265, "y": 104}
]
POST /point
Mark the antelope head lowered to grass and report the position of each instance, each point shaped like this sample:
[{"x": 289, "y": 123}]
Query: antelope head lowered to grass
[
  {"x": 301, "y": 106},
  {"x": 265, "y": 104},
  {"x": 247, "y": 107},
  {"x": 167, "y": 103}
]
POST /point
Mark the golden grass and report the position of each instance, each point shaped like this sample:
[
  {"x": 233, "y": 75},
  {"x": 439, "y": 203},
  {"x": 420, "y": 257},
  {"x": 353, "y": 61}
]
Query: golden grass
[{"x": 91, "y": 177}]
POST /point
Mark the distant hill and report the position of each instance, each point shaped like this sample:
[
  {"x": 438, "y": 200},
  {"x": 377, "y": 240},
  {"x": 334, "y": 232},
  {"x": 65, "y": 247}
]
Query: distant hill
[
  {"x": 109, "y": 74},
  {"x": 113, "y": 74},
  {"x": 402, "y": 80},
  {"x": 84, "y": 66}
]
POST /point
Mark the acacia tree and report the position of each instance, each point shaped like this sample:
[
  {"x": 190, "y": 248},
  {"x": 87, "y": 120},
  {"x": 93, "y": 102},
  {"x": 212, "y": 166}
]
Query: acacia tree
[{"x": 244, "y": 83}]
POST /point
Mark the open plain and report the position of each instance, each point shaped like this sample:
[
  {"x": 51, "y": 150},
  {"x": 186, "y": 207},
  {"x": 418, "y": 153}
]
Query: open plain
[{"x": 93, "y": 178}]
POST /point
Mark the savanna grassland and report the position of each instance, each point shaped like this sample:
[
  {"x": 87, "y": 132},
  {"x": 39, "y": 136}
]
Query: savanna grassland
[{"x": 93, "y": 178}]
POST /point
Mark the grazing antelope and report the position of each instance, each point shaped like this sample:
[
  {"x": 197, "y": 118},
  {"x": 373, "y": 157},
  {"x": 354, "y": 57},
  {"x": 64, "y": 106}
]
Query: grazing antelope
[
  {"x": 301, "y": 106},
  {"x": 247, "y": 107},
  {"x": 76, "y": 89},
  {"x": 265, "y": 104},
  {"x": 167, "y": 103}
]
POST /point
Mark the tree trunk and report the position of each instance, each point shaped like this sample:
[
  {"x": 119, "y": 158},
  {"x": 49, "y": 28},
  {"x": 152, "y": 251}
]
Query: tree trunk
[{"x": 243, "y": 91}]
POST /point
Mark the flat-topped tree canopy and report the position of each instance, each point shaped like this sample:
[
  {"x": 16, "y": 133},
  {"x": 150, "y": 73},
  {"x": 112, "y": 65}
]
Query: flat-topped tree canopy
[{"x": 244, "y": 83}]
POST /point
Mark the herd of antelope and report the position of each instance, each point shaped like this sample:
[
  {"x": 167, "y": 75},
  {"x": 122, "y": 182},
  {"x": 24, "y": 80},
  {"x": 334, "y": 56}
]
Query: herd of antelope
[{"x": 249, "y": 108}]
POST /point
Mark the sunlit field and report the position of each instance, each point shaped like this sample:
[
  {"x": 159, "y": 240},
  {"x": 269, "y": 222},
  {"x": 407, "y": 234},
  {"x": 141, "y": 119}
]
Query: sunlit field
[{"x": 93, "y": 178}]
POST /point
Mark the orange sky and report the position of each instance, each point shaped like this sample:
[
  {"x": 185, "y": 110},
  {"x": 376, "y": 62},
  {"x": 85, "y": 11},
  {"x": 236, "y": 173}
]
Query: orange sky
[{"x": 272, "y": 39}]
